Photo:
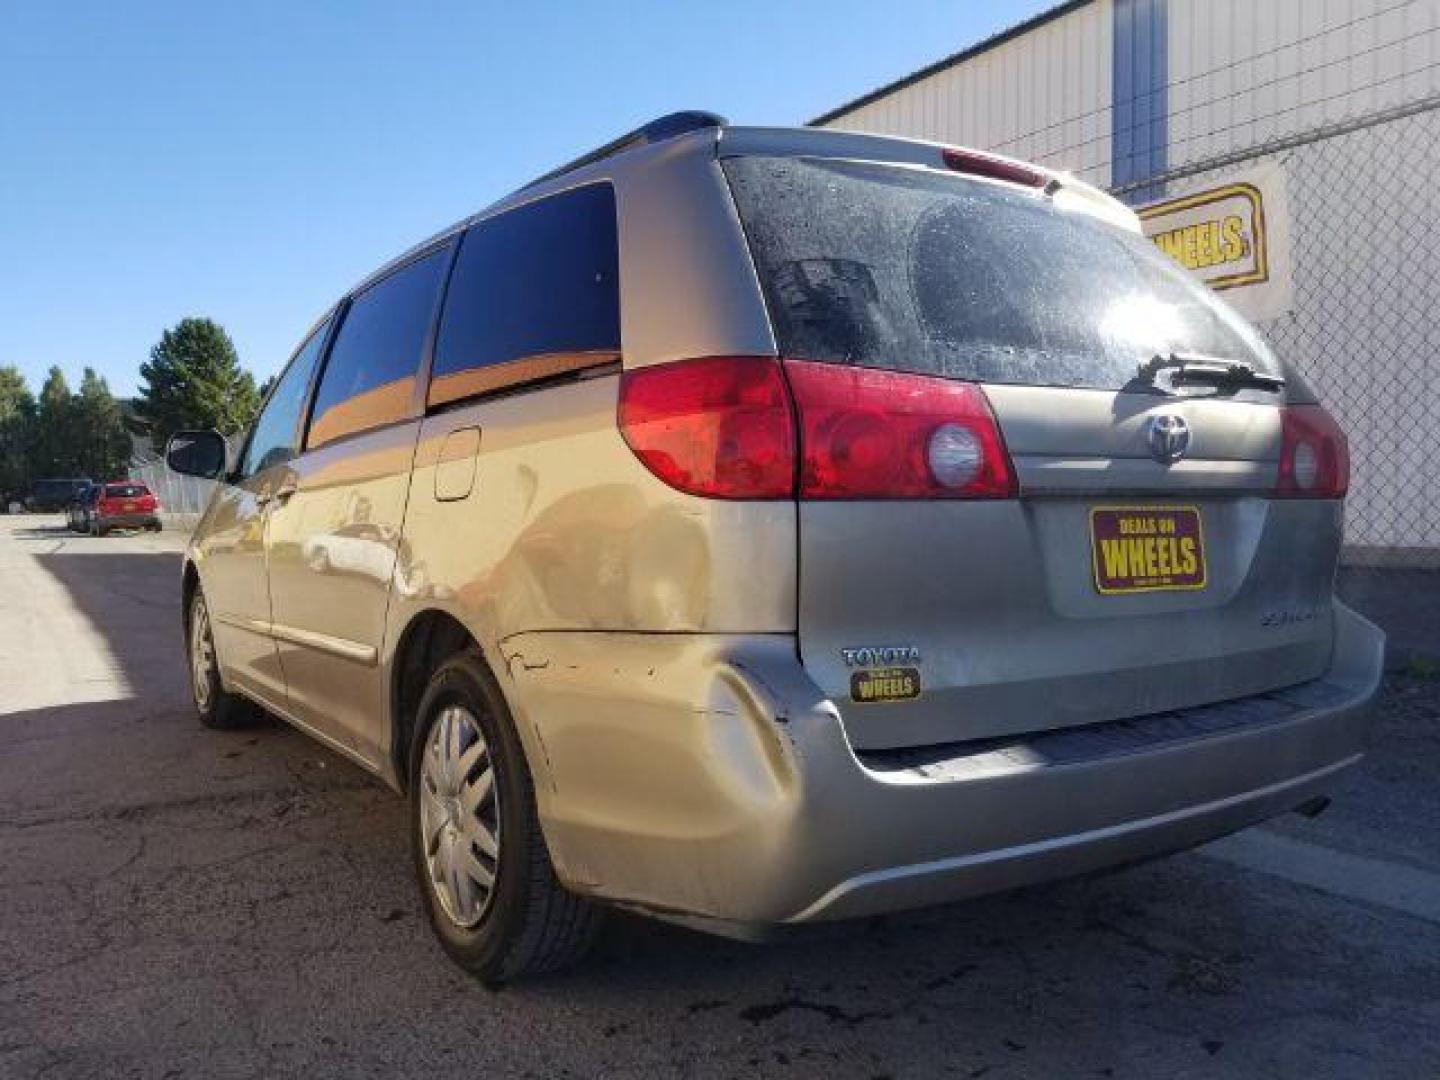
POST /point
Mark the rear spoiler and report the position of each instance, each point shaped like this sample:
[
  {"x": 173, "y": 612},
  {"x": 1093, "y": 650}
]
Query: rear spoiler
[{"x": 1077, "y": 195}]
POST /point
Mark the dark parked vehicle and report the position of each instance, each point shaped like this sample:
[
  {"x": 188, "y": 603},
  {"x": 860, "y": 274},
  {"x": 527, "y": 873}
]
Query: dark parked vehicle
[
  {"x": 82, "y": 506},
  {"x": 48, "y": 496},
  {"x": 124, "y": 505}
]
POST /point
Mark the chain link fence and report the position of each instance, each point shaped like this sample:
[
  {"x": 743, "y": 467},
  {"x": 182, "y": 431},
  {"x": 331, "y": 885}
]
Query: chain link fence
[
  {"x": 182, "y": 498},
  {"x": 1365, "y": 257}
]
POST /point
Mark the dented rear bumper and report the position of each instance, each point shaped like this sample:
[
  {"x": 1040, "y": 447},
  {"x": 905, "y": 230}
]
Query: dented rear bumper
[{"x": 706, "y": 778}]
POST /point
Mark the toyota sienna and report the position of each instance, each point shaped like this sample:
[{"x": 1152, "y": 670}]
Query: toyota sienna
[{"x": 758, "y": 527}]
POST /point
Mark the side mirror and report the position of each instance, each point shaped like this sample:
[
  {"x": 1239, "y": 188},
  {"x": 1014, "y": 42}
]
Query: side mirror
[{"x": 198, "y": 453}]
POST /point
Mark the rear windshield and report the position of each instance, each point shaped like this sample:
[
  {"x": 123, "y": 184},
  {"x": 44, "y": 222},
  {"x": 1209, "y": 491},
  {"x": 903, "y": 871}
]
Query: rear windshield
[
  {"x": 125, "y": 491},
  {"x": 914, "y": 270}
]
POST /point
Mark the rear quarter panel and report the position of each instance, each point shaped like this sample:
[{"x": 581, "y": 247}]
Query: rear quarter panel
[{"x": 564, "y": 530}]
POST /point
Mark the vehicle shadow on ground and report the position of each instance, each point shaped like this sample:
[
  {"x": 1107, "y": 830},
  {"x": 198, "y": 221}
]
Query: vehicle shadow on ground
[{"x": 271, "y": 879}]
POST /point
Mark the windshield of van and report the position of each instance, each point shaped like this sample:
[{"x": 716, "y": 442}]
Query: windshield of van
[{"x": 910, "y": 269}]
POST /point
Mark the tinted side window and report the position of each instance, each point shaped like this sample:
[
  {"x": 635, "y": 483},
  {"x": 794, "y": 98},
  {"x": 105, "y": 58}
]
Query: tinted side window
[
  {"x": 370, "y": 376},
  {"x": 273, "y": 440},
  {"x": 536, "y": 288}
]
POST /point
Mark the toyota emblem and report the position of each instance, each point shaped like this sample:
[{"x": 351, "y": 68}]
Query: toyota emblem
[{"x": 1169, "y": 437}]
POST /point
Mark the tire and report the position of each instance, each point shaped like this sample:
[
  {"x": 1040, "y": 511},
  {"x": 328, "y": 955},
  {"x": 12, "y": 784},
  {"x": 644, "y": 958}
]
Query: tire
[
  {"x": 526, "y": 923},
  {"x": 216, "y": 707}
]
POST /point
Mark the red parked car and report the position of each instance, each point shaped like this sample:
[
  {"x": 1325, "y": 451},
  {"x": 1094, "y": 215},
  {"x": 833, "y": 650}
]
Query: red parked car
[{"x": 124, "y": 504}]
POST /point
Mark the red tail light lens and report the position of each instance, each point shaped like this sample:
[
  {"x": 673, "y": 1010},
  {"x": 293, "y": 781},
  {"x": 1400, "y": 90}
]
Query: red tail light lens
[
  {"x": 725, "y": 427},
  {"x": 867, "y": 434},
  {"x": 720, "y": 426},
  {"x": 1314, "y": 455}
]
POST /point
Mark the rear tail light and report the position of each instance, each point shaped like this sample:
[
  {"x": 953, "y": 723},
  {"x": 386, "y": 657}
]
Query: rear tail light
[
  {"x": 149, "y": 504},
  {"x": 719, "y": 426},
  {"x": 867, "y": 434},
  {"x": 1314, "y": 455},
  {"x": 737, "y": 428}
]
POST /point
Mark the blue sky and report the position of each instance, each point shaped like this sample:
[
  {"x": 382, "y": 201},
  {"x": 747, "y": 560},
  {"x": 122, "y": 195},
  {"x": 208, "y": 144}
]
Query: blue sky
[{"x": 250, "y": 161}]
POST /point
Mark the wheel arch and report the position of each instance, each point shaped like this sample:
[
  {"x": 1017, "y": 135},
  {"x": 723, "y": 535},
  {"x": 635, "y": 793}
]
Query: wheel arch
[
  {"x": 429, "y": 638},
  {"x": 189, "y": 582}
]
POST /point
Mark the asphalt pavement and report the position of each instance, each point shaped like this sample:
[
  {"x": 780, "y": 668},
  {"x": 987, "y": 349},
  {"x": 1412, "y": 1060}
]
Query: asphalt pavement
[{"x": 176, "y": 902}]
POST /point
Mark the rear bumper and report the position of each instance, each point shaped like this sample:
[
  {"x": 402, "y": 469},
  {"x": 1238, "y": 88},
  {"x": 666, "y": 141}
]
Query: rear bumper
[
  {"x": 128, "y": 521},
  {"x": 708, "y": 779}
]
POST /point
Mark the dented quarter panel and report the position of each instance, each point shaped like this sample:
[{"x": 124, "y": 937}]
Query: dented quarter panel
[{"x": 565, "y": 530}]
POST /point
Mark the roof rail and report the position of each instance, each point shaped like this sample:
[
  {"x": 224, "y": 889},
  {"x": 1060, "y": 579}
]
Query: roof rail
[{"x": 666, "y": 127}]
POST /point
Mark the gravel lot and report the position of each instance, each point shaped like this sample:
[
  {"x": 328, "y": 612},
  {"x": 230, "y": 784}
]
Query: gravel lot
[{"x": 176, "y": 902}]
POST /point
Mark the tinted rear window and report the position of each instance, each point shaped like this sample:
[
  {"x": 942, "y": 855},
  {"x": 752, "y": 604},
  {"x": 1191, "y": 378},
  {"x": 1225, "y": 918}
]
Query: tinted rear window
[
  {"x": 125, "y": 491},
  {"x": 541, "y": 283},
  {"x": 914, "y": 270}
]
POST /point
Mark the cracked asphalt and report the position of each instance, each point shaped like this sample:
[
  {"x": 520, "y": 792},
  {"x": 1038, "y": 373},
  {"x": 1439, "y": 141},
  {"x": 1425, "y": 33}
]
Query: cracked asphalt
[{"x": 180, "y": 903}]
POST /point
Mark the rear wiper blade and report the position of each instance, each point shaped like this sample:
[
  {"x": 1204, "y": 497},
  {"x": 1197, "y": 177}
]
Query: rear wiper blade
[{"x": 1207, "y": 370}]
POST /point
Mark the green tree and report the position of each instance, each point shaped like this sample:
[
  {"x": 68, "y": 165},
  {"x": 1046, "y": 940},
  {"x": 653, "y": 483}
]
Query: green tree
[
  {"x": 54, "y": 449},
  {"x": 193, "y": 379},
  {"x": 102, "y": 443},
  {"x": 17, "y": 424}
]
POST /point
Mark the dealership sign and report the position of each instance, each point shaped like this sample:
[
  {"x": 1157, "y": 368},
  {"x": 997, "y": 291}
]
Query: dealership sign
[{"x": 1234, "y": 235}]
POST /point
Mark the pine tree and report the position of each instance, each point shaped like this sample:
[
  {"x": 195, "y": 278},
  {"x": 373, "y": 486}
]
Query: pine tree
[
  {"x": 193, "y": 379},
  {"x": 17, "y": 424},
  {"x": 54, "y": 450},
  {"x": 103, "y": 444}
]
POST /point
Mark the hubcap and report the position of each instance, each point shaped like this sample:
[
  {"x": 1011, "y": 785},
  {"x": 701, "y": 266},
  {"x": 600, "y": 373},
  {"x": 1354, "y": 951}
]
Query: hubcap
[
  {"x": 459, "y": 815},
  {"x": 202, "y": 655}
]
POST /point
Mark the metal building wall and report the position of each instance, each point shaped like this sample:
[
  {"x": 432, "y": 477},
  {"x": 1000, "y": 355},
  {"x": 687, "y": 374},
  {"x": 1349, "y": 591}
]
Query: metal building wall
[
  {"x": 1162, "y": 97},
  {"x": 1032, "y": 96},
  {"x": 1243, "y": 73},
  {"x": 1316, "y": 85}
]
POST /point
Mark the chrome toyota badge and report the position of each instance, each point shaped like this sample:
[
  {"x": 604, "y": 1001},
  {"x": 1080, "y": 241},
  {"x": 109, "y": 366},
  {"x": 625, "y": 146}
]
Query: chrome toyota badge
[{"x": 1169, "y": 438}]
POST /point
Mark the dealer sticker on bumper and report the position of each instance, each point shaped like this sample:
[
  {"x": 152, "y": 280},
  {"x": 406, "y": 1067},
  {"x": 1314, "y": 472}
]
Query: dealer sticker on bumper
[
  {"x": 1147, "y": 548},
  {"x": 885, "y": 684}
]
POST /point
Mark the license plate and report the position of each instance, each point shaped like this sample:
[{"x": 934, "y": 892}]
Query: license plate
[
  {"x": 127, "y": 507},
  {"x": 1137, "y": 549}
]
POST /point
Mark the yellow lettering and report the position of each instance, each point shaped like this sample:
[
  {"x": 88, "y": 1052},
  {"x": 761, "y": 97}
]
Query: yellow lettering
[
  {"x": 1188, "y": 562},
  {"x": 1135, "y": 549},
  {"x": 1233, "y": 228},
  {"x": 1115, "y": 558},
  {"x": 1162, "y": 555},
  {"x": 1172, "y": 243}
]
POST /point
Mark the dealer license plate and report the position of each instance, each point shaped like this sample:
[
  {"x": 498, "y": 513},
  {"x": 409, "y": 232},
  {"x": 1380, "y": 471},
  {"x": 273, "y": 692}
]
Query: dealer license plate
[{"x": 1147, "y": 548}]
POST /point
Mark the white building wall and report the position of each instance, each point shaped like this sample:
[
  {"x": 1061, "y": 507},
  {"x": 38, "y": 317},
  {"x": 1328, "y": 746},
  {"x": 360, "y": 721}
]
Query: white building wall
[
  {"x": 1239, "y": 76},
  {"x": 1033, "y": 97},
  {"x": 1243, "y": 72}
]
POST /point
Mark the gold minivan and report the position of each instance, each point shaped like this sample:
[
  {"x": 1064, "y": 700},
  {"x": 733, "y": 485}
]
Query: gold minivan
[{"x": 755, "y": 527}]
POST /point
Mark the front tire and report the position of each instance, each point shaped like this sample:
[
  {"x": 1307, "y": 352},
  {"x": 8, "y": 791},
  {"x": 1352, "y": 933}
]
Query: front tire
[
  {"x": 480, "y": 858},
  {"x": 216, "y": 706}
]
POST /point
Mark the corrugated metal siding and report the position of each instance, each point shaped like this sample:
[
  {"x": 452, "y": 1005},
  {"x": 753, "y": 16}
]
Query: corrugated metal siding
[
  {"x": 1138, "y": 144},
  {"x": 1043, "y": 97},
  {"x": 1243, "y": 72}
]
